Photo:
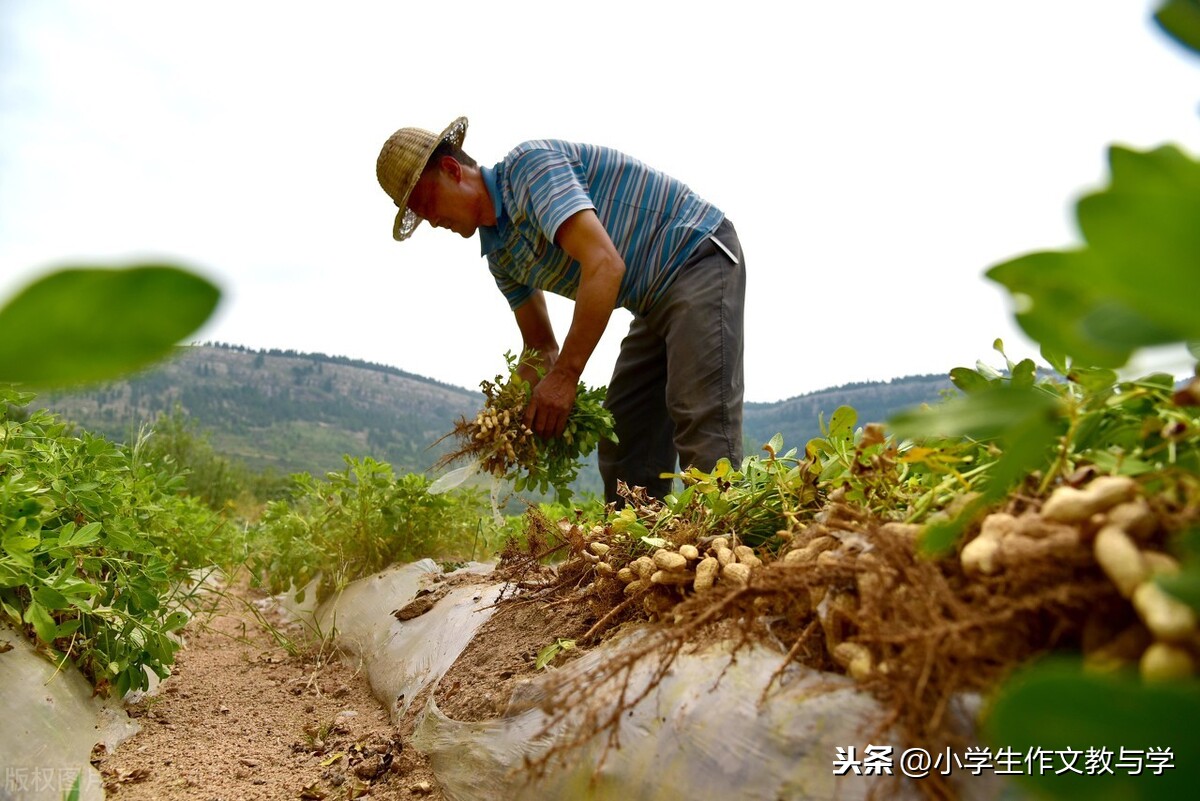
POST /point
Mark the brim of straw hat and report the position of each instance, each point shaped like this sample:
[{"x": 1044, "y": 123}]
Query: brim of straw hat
[{"x": 401, "y": 162}]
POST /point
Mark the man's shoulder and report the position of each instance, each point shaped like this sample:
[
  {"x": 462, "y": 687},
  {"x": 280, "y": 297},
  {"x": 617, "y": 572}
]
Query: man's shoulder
[{"x": 543, "y": 148}]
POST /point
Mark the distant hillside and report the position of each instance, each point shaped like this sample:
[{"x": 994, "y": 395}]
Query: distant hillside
[
  {"x": 798, "y": 418},
  {"x": 300, "y": 412},
  {"x": 290, "y": 411}
]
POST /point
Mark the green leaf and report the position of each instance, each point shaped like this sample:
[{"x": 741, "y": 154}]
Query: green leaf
[
  {"x": 968, "y": 380},
  {"x": 175, "y": 621},
  {"x": 1023, "y": 374},
  {"x": 1024, "y": 421},
  {"x": 550, "y": 652},
  {"x": 84, "y": 536},
  {"x": 1052, "y": 298},
  {"x": 1135, "y": 282},
  {"x": 73, "y": 587},
  {"x": 1093, "y": 379},
  {"x": 1181, "y": 21},
  {"x": 684, "y": 499},
  {"x": 1055, "y": 359},
  {"x": 1185, "y": 585},
  {"x": 940, "y": 536},
  {"x": 1112, "y": 323},
  {"x": 92, "y": 324},
  {"x": 68, "y": 627},
  {"x": 50, "y": 598},
  {"x": 18, "y": 544},
  {"x": 982, "y": 416},
  {"x": 1056, "y": 706},
  {"x": 37, "y": 616},
  {"x": 841, "y": 423}
]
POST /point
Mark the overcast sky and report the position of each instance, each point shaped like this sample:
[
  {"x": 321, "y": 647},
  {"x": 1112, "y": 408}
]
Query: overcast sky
[{"x": 875, "y": 156}]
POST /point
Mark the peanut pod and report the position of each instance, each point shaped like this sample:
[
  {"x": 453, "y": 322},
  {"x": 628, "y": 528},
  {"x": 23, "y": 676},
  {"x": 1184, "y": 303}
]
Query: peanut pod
[
  {"x": 706, "y": 573},
  {"x": 1167, "y": 617},
  {"x": 1071, "y": 505},
  {"x": 1120, "y": 559}
]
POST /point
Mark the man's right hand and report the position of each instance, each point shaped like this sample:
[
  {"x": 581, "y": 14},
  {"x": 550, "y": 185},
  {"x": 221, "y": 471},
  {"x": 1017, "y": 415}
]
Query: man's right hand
[{"x": 551, "y": 403}]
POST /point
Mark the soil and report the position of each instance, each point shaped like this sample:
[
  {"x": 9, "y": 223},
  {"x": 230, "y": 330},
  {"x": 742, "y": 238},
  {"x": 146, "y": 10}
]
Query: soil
[
  {"x": 504, "y": 653},
  {"x": 242, "y": 718}
]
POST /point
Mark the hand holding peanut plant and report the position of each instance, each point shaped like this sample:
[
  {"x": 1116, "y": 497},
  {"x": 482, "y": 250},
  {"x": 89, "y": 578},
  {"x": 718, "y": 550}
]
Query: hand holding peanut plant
[{"x": 507, "y": 448}]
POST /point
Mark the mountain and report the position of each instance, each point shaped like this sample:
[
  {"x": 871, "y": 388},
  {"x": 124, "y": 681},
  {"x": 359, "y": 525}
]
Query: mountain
[
  {"x": 300, "y": 412},
  {"x": 281, "y": 409},
  {"x": 799, "y": 418}
]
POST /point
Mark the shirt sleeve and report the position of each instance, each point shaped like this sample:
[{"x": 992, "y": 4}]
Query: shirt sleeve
[
  {"x": 515, "y": 293},
  {"x": 552, "y": 186}
]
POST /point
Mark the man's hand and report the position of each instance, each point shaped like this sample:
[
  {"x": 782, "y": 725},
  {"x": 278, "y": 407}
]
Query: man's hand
[{"x": 551, "y": 403}]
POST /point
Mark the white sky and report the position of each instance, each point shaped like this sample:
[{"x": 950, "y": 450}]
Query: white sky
[{"x": 876, "y": 157}]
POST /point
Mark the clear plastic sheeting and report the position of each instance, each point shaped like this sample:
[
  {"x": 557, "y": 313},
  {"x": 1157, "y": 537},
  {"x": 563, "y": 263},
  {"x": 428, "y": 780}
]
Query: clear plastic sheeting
[
  {"x": 49, "y": 723},
  {"x": 403, "y": 658},
  {"x": 694, "y": 737}
]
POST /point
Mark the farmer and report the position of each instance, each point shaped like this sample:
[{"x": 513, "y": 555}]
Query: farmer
[{"x": 606, "y": 230}]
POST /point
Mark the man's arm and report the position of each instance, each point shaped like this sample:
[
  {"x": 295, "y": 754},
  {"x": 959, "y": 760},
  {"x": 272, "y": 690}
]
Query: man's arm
[
  {"x": 584, "y": 239},
  {"x": 537, "y": 334}
]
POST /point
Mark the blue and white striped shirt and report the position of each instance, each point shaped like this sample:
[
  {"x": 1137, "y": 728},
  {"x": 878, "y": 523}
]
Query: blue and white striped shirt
[{"x": 654, "y": 221}]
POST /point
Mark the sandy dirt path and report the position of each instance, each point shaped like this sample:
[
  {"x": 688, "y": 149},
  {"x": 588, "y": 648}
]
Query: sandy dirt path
[{"x": 242, "y": 718}]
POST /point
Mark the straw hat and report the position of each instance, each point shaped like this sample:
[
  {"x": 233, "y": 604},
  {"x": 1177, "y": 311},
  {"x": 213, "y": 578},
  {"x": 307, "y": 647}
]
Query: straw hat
[{"x": 400, "y": 163}]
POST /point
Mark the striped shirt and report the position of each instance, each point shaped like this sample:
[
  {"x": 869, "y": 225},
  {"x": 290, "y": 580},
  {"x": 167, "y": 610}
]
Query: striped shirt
[{"x": 654, "y": 221}]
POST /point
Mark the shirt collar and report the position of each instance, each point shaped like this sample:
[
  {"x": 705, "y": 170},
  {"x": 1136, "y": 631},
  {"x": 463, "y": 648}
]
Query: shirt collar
[{"x": 490, "y": 238}]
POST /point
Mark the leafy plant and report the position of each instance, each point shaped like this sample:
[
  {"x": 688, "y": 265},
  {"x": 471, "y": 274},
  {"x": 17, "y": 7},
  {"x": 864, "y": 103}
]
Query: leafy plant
[
  {"x": 97, "y": 548},
  {"x": 501, "y": 444},
  {"x": 1055, "y": 706},
  {"x": 357, "y": 522},
  {"x": 551, "y": 652},
  {"x": 223, "y": 484},
  {"x": 95, "y": 544}
]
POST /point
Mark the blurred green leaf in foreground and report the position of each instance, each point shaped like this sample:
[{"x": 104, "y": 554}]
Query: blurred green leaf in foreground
[
  {"x": 85, "y": 324},
  {"x": 1136, "y": 281}
]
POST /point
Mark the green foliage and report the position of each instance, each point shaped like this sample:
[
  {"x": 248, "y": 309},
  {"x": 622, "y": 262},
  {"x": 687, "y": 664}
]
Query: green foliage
[
  {"x": 752, "y": 502},
  {"x": 91, "y": 324},
  {"x": 73, "y": 793},
  {"x": 506, "y": 448},
  {"x": 96, "y": 548},
  {"x": 550, "y": 652},
  {"x": 357, "y": 522},
  {"x": 1055, "y": 706},
  {"x": 558, "y": 460},
  {"x": 1013, "y": 413},
  {"x": 1181, "y": 20},
  {"x": 222, "y": 483},
  {"x": 1135, "y": 282}
]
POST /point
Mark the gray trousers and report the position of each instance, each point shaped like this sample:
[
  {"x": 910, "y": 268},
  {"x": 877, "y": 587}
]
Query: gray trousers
[{"x": 676, "y": 390}]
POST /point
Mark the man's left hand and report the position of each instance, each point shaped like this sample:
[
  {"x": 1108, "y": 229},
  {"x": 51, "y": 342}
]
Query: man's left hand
[{"x": 551, "y": 403}]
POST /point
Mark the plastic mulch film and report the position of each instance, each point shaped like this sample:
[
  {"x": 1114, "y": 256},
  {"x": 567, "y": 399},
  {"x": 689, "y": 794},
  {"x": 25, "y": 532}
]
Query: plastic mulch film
[
  {"x": 50, "y": 721},
  {"x": 403, "y": 658},
  {"x": 694, "y": 737}
]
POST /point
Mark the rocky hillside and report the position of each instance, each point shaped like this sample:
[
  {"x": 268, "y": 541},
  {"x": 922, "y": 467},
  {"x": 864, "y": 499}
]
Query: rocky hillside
[{"x": 281, "y": 409}]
